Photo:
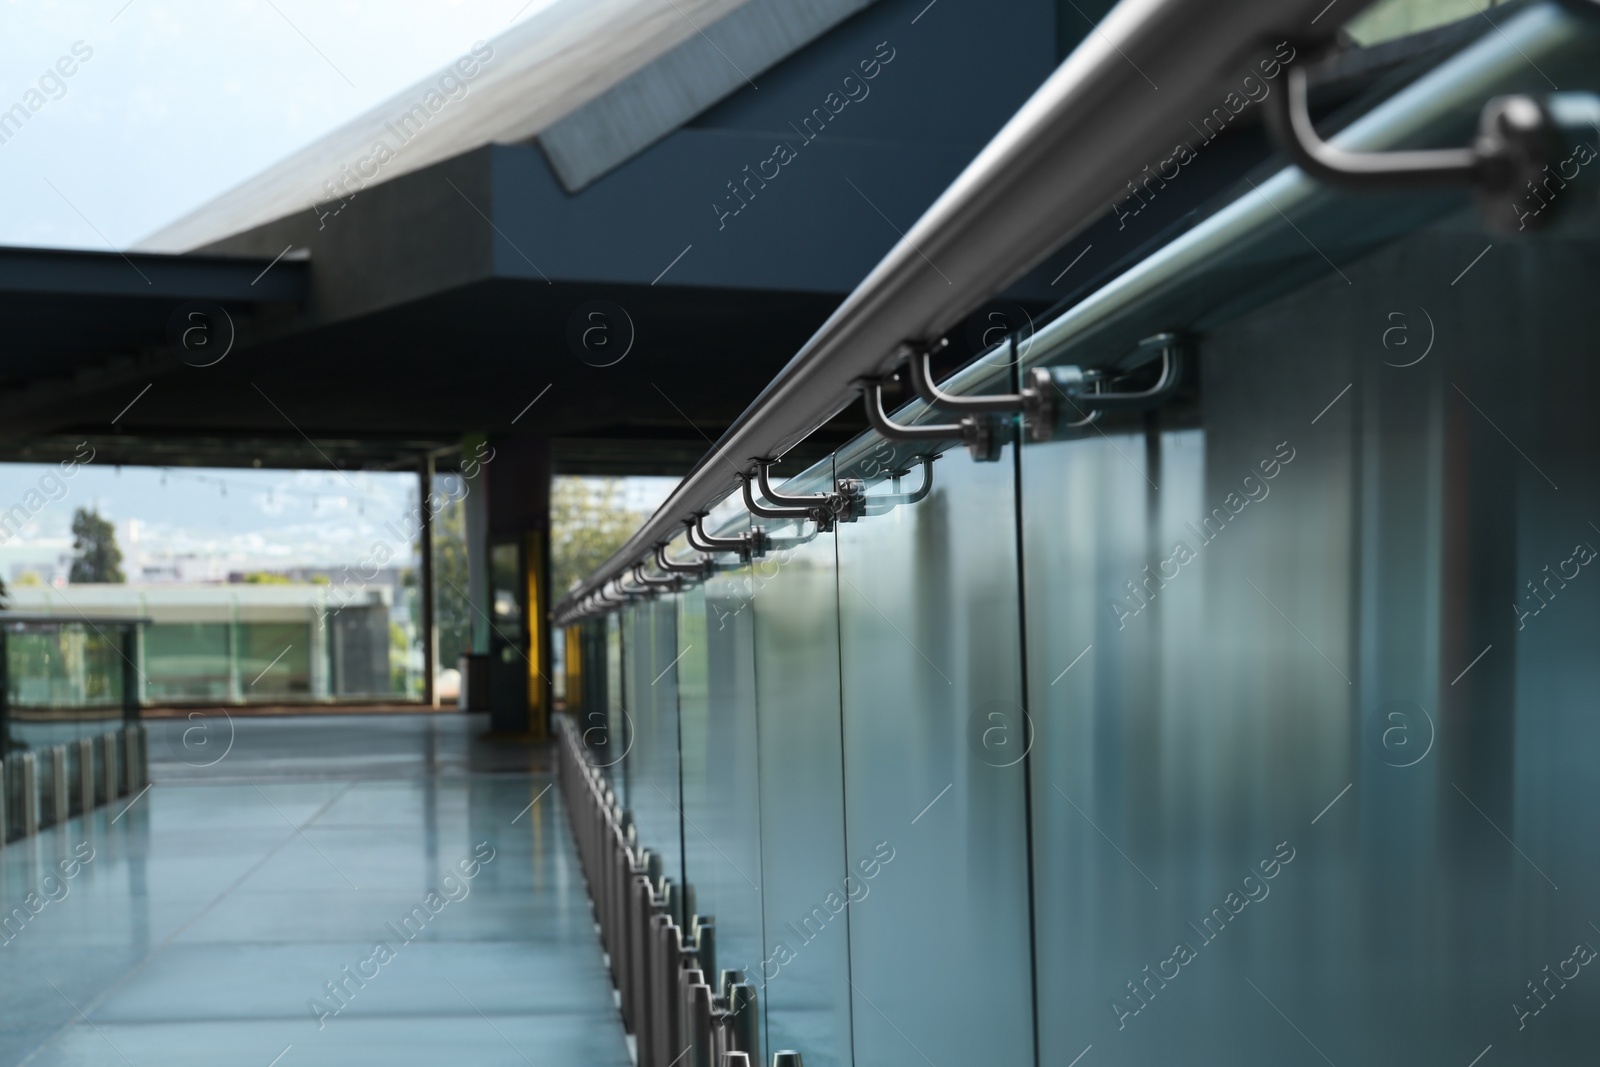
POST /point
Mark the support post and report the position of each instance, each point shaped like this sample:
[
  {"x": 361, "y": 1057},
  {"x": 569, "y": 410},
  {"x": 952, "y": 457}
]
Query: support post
[
  {"x": 5, "y": 702},
  {"x": 430, "y": 632},
  {"x": 130, "y": 672}
]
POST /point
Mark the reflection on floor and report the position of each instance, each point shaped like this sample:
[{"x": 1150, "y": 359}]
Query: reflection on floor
[{"x": 309, "y": 891}]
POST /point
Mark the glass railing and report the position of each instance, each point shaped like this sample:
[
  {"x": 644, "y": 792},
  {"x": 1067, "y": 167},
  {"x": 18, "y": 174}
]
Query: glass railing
[
  {"x": 1189, "y": 722},
  {"x": 70, "y": 739},
  {"x": 66, "y": 678}
]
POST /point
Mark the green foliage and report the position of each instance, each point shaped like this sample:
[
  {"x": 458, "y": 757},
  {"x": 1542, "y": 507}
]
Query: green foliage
[
  {"x": 451, "y": 611},
  {"x": 94, "y": 540},
  {"x": 587, "y": 524},
  {"x": 267, "y": 578}
]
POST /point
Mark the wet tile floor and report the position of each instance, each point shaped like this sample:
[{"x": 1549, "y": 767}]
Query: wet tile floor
[{"x": 296, "y": 892}]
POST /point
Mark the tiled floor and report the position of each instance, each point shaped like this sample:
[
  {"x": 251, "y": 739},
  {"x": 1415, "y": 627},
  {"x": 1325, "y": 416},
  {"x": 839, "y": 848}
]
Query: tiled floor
[{"x": 220, "y": 904}]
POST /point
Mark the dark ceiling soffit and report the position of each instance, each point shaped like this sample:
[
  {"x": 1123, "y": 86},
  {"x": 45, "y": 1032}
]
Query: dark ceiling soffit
[
  {"x": 142, "y": 450},
  {"x": 147, "y": 274}
]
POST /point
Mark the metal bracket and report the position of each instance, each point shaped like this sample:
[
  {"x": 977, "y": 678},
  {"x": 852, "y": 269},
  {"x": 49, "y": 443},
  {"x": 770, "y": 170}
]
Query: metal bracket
[
  {"x": 698, "y": 569},
  {"x": 747, "y": 546},
  {"x": 631, "y": 593},
  {"x": 1518, "y": 136},
  {"x": 922, "y": 383},
  {"x": 818, "y": 515},
  {"x": 887, "y": 502},
  {"x": 655, "y": 584},
  {"x": 978, "y": 434}
]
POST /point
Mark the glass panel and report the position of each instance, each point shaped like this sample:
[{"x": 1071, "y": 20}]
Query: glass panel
[
  {"x": 721, "y": 803},
  {"x": 63, "y": 681},
  {"x": 187, "y": 661},
  {"x": 1353, "y": 774},
  {"x": 1094, "y": 519},
  {"x": 275, "y": 659},
  {"x": 655, "y": 798},
  {"x": 935, "y": 785},
  {"x": 805, "y": 982},
  {"x": 619, "y": 721}
]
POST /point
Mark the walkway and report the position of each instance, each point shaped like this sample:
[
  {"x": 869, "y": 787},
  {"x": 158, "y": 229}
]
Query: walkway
[{"x": 251, "y": 876}]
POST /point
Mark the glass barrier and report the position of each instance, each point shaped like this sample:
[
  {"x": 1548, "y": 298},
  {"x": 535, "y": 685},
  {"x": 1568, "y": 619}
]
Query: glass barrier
[
  {"x": 1199, "y": 734},
  {"x": 65, "y": 680}
]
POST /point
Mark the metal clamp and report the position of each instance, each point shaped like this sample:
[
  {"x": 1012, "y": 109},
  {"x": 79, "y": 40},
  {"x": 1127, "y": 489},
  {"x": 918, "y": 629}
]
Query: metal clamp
[
  {"x": 825, "y": 509},
  {"x": 978, "y": 434},
  {"x": 747, "y": 546},
  {"x": 1084, "y": 389},
  {"x": 1035, "y": 402},
  {"x": 1518, "y": 136},
  {"x": 843, "y": 504}
]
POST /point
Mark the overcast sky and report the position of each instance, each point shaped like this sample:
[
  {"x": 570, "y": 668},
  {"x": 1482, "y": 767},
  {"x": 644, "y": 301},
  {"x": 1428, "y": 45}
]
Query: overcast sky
[{"x": 180, "y": 100}]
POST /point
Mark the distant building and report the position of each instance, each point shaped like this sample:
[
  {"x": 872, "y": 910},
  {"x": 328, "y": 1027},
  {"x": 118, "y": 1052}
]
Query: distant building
[{"x": 235, "y": 643}]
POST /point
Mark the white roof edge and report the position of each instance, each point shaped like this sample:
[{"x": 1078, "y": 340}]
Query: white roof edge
[
  {"x": 504, "y": 91},
  {"x": 701, "y": 71}
]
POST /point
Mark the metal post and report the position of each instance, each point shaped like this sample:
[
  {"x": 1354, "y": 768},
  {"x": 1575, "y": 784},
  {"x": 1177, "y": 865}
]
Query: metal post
[
  {"x": 697, "y": 1020},
  {"x": 108, "y": 746},
  {"x": 29, "y": 768},
  {"x": 5, "y": 702},
  {"x": 86, "y": 773},
  {"x": 130, "y": 672},
  {"x": 60, "y": 805},
  {"x": 430, "y": 632}
]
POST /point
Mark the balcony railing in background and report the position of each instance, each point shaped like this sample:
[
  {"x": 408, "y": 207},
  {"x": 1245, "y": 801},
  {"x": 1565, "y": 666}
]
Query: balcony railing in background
[{"x": 69, "y": 717}]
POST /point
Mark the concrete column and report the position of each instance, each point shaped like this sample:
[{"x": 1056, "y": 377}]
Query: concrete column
[{"x": 517, "y": 482}]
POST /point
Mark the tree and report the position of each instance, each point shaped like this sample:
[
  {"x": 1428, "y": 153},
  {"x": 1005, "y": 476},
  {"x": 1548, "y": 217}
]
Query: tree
[
  {"x": 587, "y": 524},
  {"x": 94, "y": 540},
  {"x": 451, "y": 611}
]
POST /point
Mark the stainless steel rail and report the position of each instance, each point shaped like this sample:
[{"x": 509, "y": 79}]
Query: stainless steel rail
[{"x": 1056, "y": 167}]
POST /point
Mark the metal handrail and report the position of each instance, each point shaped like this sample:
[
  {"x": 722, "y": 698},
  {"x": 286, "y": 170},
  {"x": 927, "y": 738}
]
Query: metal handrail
[{"x": 1055, "y": 167}]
